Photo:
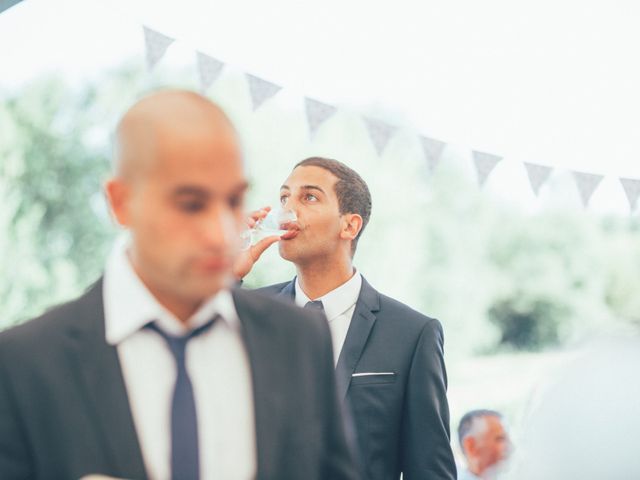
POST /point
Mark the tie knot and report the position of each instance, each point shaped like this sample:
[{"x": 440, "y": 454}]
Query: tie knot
[
  {"x": 178, "y": 343},
  {"x": 315, "y": 305}
]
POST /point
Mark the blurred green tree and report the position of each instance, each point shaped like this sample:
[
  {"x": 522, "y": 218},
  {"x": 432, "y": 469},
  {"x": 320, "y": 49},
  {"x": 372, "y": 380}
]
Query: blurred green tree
[{"x": 57, "y": 229}]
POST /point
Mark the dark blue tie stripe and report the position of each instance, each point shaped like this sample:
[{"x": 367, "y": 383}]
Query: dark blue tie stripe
[
  {"x": 314, "y": 305},
  {"x": 185, "y": 455}
]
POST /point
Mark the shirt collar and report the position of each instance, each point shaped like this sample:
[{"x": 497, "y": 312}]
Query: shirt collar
[
  {"x": 129, "y": 305},
  {"x": 338, "y": 300}
]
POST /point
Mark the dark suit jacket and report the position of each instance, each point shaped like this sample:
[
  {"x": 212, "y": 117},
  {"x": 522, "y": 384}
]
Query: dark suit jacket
[
  {"x": 401, "y": 420},
  {"x": 64, "y": 411}
]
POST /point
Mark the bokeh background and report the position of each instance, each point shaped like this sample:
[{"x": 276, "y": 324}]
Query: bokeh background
[{"x": 520, "y": 281}]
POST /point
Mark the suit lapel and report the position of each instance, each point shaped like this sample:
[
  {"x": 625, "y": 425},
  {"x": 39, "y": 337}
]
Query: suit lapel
[
  {"x": 288, "y": 293},
  {"x": 361, "y": 324},
  {"x": 100, "y": 377},
  {"x": 263, "y": 341}
]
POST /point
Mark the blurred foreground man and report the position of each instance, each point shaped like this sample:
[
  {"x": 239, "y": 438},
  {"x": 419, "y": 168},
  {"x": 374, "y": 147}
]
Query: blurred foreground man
[
  {"x": 160, "y": 370},
  {"x": 390, "y": 366},
  {"x": 485, "y": 444}
]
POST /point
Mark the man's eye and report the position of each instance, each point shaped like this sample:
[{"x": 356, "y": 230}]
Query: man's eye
[
  {"x": 283, "y": 199},
  {"x": 311, "y": 197},
  {"x": 191, "y": 207},
  {"x": 235, "y": 202}
]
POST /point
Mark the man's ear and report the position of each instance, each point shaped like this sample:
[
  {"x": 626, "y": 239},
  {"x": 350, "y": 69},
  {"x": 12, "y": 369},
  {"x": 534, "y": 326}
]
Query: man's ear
[
  {"x": 352, "y": 224},
  {"x": 118, "y": 194},
  {"x": 469, "y": 445}
]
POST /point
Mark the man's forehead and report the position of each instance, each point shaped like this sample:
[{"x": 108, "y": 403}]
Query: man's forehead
[
  {"x": 207, "y": 189},
  {"x": 310, "y": 176}
]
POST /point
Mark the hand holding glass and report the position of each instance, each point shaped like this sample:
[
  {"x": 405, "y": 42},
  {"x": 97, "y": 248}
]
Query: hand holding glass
[{"x": 274, "y": 223}]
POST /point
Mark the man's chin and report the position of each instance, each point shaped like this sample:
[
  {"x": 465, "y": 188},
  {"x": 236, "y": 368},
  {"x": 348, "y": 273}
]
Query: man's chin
[
  {"x": 206, "y": 287},
  {"x": 286, "y": 250}
]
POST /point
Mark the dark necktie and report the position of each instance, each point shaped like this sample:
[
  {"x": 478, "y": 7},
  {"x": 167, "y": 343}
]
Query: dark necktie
[
  {"x": 185, "y": 458},
  {"x": 315, "y": 305}
]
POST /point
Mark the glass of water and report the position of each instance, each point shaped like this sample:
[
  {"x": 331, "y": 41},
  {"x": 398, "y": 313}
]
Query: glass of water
[{"x": 275, "y": 223}]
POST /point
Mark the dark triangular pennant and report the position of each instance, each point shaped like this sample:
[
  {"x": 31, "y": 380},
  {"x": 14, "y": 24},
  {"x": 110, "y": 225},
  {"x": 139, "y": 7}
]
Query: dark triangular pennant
[
  {"x": 538, "y": 174},
  {"x": 632, "y": 190},
  {"x": 432, "y": 151},
  {"x": 484, "y": 163},
  {"x": 587, "y": 184},
  {"x": 380, "y": 133},
  {"x": 209, "y": 70},
  {"x": 156, "y": 45},
  {"x": 261, "y": 90},
  {"x": 317, "y": 113}
]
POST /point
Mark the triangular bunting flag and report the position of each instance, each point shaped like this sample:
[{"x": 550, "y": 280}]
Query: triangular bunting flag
[
  {"x": 380, "y": 133},
  {"x": 432, "y": 151},
  {"x": 485, "y": 163},
  {"x": 632, "y": 189},
  {"x": 538, "y": 174},
  {"x": 587, "y": 184},
  {"x": 261, "y": 90},
  {"x": 156, "y": 44},
  {"x": 209, "y": 69},
  {"x": 317, "y": 113}
]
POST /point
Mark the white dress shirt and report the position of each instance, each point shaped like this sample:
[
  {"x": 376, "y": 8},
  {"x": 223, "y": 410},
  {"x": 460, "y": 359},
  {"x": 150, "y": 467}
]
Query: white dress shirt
[
  {"x": 465, "y": 474},
  {"x": 217, "y": 364},
  {"x": 339, "y": 305}
]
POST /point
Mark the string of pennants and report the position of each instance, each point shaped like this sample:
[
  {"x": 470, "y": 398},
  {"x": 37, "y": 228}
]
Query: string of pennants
[{"x": 380, "y": 133}]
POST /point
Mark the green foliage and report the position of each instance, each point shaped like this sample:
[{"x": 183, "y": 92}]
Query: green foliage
[
  {"x": 528, "y": 323},
  {"x": 56, "y": 224}
]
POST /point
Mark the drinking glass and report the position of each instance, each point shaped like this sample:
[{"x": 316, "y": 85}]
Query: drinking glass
[{"x": 275, "y": 223}]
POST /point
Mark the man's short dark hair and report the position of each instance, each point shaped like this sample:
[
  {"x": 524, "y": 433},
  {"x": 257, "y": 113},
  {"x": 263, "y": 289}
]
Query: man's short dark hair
[
  {"x": 466, "y": 422},
  {"x": 352, "y": 191}
]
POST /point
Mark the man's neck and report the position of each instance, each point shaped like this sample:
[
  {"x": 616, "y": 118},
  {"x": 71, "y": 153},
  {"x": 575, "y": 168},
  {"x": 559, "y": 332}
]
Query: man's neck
[
  {"x": 180, "y": 308},
  {"x": 476, "y": 469},
  {"x": 321, "y": 277}
]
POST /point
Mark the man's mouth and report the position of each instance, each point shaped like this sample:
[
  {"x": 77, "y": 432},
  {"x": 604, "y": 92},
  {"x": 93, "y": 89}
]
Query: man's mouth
[
  {"x": 215, "y": 264},
  {"x": 293, "y": 230}
]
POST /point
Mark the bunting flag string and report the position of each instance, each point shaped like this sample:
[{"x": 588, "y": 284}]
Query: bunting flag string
[
  {"x": 156, "y": 45},
  {"x": 379, "y": 132},
  {"x": 587, "y": 184},
  {"x": 631, "y": 188},
  {"x": 432, "y": 151},
  {"x": 261, "y": 90},
  {"x": 317, "y": 113},
  {"x": 484, "y": 163},
  {"x": 538, "y": 175},
  {"x": 209, "y": 69}
]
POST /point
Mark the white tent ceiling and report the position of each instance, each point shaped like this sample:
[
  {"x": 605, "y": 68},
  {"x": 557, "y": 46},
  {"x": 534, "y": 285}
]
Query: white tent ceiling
[{"x": 546, "y": 82}]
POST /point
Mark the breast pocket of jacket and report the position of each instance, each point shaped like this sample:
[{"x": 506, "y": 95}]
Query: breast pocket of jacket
[{"x": 372, "y": 378}]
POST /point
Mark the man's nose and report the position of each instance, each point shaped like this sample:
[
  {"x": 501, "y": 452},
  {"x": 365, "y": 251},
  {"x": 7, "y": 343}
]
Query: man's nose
[
  {"x": 289, "y": 204},
  {"x": 219, "y": 228}
]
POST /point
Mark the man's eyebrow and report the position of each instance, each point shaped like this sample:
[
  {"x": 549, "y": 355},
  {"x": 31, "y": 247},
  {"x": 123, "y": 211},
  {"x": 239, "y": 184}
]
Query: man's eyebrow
[
  {"x": 312, "y": 187},
  {"x": 304, "y": 187},
  {"x": 185, "y": 190},
  {"x": 194, "y": 190},
  {"x": 241, "y": 188}
]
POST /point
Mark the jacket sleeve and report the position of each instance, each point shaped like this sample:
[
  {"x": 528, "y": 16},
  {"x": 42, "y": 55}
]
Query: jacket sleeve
[
  {"x": 426, "y": 448},
  {"x": 15, "y": 461}
]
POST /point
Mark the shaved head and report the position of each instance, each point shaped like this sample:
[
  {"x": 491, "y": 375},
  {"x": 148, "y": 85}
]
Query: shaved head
[
  {"x": 178, "y": 186},
  {"x": 140, "y": 133}
]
